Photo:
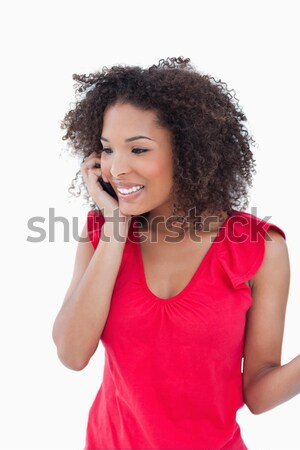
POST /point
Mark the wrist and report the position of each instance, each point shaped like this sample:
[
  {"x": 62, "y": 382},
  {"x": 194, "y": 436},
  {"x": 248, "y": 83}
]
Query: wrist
[{"x": 115, "y": 231}]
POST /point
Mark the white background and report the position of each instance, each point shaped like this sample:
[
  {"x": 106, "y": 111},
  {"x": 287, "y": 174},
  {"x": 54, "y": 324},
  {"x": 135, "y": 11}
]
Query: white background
[{"x": 252, "y": 46}]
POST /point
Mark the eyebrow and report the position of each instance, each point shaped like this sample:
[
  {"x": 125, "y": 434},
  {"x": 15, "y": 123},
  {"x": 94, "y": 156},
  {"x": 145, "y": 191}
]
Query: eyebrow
[{"x": 133, "y": 138}]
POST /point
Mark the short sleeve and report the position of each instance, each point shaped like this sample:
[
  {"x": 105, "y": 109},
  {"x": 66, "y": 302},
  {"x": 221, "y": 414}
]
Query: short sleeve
[
  {"x": 241, "y": 251},
  {"x": 95, "y": 220}
]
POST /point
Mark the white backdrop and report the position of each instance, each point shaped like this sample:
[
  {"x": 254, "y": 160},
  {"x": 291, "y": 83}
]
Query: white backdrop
[{"x": 252, "y": 46}]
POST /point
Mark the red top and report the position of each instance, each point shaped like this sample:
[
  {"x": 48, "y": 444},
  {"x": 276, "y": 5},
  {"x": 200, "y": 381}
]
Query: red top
[{"x": 172, "y": 374}]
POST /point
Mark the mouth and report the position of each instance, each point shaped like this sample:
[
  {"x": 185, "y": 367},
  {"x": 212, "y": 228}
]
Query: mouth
[
  {"x": 124, "y": 191},
  {"x": 130, "y": 193}
]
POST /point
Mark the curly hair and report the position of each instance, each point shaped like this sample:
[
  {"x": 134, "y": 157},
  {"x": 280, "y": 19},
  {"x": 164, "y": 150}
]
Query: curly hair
[{"x": 213, "y": 161}]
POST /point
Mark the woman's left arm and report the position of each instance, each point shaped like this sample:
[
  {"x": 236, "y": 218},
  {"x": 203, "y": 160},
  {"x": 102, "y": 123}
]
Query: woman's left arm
[{"x": 267, "y": 383}]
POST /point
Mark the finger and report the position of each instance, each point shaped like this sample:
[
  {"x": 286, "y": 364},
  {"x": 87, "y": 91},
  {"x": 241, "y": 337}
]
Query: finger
[
  {"x": 92, "y": 155},
  {"x": 92, "y": 163},
  {"x": 95, "y": 172},
  {"x": 91, "y": 158}
]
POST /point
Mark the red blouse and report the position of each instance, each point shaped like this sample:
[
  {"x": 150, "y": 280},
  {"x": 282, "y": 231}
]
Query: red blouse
[{"x": 172, "y": 375}]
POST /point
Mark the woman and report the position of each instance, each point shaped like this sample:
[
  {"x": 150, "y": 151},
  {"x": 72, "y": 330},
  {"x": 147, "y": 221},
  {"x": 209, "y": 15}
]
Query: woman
[{"x": 177, "y": 281}]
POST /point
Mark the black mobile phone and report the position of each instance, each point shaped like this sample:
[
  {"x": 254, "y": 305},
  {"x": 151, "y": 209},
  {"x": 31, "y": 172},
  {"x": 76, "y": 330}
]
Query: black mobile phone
[{"x": 108, "y": 188}]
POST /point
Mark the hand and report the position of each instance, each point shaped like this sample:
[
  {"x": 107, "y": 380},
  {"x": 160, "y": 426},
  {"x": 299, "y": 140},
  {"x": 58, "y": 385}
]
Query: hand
[{"x": 91, "y": 171}]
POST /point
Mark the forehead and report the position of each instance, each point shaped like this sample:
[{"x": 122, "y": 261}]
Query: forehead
[{"x": 130, "y": 117}]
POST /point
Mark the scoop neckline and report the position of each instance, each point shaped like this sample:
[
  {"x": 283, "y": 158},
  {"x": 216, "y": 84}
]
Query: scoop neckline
[{"x": 179, "y": 295}]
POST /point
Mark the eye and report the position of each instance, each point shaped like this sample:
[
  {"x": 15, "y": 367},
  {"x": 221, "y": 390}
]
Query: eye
[
  {"x": 139, "y": 150},
  {"x": 106, "y": 150}
]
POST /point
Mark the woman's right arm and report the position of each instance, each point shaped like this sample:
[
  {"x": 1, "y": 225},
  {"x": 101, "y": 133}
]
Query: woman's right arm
[{"x": 79, "y": 324}]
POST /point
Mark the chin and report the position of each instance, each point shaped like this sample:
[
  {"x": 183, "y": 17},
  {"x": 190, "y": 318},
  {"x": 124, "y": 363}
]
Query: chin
[{"x": 130, "y": 211}]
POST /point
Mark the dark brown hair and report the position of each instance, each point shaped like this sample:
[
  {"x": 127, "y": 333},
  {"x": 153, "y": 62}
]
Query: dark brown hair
[{"x": 213, "y": 161}]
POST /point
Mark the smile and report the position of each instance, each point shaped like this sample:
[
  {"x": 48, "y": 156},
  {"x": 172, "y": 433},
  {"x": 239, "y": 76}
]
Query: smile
[{"x": 130, "y": 191}]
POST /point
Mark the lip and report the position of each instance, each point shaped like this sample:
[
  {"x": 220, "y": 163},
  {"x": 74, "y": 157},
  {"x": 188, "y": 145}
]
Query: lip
[
  {"x": 130, "y": 197},
  {"x": 125, "y": 185}
]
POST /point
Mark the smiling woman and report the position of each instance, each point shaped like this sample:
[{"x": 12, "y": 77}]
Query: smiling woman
[{"x": 177, "y": 315}]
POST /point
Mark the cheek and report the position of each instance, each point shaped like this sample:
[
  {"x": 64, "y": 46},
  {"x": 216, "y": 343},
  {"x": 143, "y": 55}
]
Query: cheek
[
  {"x": 165, "y": 177},
  {"x": 162, "y": 169},
  {"x": 161, "y": 181},
  {"x": 105, "y": 166}
]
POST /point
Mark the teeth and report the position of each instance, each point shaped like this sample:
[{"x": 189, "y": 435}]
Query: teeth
[{"x": 130, "y": 191}]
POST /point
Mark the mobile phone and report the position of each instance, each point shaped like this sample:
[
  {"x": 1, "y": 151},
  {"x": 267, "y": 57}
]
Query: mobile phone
[{"x": 108, "y": 188}]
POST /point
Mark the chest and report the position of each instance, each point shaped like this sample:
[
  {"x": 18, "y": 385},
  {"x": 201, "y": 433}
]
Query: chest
[
  {"x": 169, "y": 267},
  {"x": 205, "y": 314}
]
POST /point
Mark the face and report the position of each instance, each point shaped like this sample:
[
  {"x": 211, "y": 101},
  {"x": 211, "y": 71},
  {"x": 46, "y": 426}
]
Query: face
[{"x": 137, "y": 152}]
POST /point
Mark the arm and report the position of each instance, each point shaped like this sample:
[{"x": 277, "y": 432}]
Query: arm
[
  {"x": 267, "y": 383},
  {"x": 81, "y": 319}
]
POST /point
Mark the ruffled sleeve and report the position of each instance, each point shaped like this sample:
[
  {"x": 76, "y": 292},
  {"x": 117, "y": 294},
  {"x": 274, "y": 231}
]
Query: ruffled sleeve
[
  {"x": 95, "y": 220},
  {"x": 242, "y": 247}
]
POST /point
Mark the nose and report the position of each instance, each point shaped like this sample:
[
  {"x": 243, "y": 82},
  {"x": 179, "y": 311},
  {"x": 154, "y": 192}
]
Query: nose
[{"x": 119, "y": 166}]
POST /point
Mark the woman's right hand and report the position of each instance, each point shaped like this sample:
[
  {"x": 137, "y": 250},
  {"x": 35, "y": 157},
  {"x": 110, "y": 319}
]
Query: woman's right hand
[{"x": 91, "y": 171}]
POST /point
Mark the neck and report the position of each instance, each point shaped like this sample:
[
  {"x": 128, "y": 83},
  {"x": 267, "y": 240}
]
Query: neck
[{"x": 163, "y": 225}]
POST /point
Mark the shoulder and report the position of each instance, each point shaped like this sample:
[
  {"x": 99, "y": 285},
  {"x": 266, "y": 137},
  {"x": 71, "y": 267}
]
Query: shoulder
[
  {"x": 275, "y": 243},
  {"x": 250, "y": 226},
  {"x": 243, "y": 243},
  {"x": 275, "y": 263}
]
